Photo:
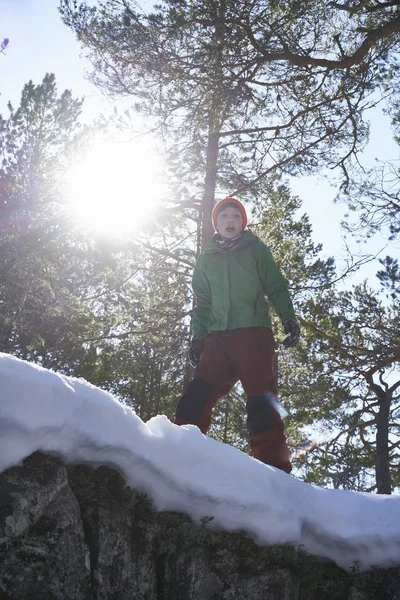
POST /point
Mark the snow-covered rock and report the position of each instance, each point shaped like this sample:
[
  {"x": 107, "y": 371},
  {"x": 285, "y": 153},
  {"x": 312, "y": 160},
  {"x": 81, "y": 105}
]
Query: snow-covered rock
[{"x": 184, "y": 471}]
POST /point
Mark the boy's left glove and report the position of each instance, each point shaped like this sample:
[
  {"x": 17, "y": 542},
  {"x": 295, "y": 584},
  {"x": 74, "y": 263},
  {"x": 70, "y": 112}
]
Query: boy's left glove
[{"x": 292, "y": 328}]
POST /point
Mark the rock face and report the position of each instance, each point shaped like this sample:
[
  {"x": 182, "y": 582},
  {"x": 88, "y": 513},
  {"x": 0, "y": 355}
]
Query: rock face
[{"x": 73, "y": 533}]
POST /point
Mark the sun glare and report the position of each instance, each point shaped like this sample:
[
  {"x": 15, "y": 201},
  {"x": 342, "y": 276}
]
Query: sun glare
[{"x": 116, "y": 187}]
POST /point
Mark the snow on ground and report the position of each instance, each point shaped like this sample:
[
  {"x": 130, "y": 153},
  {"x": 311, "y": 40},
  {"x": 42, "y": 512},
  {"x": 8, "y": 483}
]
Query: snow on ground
[{"x": 185, "y": 471}]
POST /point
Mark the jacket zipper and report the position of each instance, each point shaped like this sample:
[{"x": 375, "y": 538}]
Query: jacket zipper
[{"x": 255, "y": 302}]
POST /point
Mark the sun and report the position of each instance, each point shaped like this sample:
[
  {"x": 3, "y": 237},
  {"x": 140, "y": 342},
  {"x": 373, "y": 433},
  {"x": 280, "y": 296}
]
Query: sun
[{"x": 116, "y": 186}]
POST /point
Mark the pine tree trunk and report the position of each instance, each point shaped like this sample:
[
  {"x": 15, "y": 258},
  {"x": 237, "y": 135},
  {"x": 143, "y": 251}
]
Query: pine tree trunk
[
  {"x": 157, "y": 392},
  {"x": 215, "y": 120},
  {"x": 382, "y": 470},
  {"x": 209, "y": 187}
]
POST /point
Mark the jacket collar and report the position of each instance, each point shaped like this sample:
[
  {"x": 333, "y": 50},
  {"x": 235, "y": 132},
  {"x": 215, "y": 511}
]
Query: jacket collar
[{"x": 247, "y": 239}]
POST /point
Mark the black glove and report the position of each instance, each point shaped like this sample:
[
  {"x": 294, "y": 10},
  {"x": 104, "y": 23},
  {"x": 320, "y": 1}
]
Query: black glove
[
  {"x": 292, "y": 328},
  {"x": 195, "y": 352}
]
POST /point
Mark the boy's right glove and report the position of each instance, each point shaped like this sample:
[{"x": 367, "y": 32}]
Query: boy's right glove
[
  {"x": 195, "y": 352},
  {"x": 291, "y": 327}
]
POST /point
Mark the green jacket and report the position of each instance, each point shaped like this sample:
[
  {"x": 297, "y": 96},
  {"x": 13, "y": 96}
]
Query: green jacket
[{"x": 230, "y": 287}]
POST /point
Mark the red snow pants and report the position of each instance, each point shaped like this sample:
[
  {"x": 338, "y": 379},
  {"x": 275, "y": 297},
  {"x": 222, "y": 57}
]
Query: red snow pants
[{"x": 245, "y": 355}]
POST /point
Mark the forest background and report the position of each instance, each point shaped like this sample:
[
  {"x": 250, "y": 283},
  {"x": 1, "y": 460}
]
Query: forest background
[{"x": 105, "y": 204}]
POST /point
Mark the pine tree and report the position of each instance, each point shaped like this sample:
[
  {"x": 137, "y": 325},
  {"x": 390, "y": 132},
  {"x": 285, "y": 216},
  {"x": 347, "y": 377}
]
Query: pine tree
[
  {"x": 142, "y": 350},
  {"x": 112, "y": 311},
  {"x": 238, "y": 92},
  {"x": 356, "y": 337},
  {"x": 44, "y": 267},
  {"x": 241, "y": 90}
]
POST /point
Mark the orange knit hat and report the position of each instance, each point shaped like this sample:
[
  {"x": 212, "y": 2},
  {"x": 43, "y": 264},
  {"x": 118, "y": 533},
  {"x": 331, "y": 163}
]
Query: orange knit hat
[{"x": 221, "y": 204}]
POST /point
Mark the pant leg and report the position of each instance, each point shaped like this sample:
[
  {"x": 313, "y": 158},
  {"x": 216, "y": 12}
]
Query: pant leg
[
  {"x": 254, "y": 361},
  {"x": 213, "y": 378}
]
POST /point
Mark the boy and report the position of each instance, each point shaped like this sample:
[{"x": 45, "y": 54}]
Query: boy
[{"x": 232, "y": 337}]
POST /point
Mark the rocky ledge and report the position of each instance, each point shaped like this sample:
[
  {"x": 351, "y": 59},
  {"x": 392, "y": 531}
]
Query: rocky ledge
[{"x": 76, "y": 533}]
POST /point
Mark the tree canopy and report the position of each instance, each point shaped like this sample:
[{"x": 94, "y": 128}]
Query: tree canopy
[{"x": 242, "y": 89}]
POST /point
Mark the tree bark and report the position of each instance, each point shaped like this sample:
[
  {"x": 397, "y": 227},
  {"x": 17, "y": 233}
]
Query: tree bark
[
  {"x": 215, "y": 120},
  {"x": 382, "y": 470},
  {"x": 207, "y": 229}
]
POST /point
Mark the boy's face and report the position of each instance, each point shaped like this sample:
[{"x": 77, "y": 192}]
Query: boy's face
[{"x": 229, "y": 222}]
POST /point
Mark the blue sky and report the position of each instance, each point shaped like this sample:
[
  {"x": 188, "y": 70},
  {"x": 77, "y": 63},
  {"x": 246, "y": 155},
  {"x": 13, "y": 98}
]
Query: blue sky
[{"x": 40, "y": 43}]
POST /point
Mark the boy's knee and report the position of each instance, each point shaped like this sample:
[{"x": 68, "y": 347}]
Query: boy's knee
[
  {"x": 193, "y": 402},
  {"x": 261, "y": 415}
]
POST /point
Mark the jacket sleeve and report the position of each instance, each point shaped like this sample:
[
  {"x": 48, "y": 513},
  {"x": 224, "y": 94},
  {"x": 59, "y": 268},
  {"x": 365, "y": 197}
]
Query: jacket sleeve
[
  {"x": 275, "y": 286},
  {"x": 202, "y": 292}
]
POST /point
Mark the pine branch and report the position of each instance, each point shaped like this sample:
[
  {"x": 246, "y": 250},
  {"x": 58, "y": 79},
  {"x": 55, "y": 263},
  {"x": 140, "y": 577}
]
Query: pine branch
[{"x": 372, "y": 37}]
